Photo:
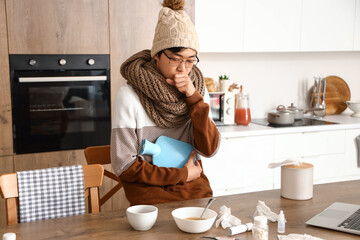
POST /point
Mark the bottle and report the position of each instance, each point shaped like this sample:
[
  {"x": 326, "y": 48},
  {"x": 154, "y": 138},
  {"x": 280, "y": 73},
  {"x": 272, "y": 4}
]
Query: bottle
[
  {"x": 242, "y": 113},
  {"x": 260, "y": 229},
  {"x": 281, "y": 222},
  {"x": 240, "y": 229}
]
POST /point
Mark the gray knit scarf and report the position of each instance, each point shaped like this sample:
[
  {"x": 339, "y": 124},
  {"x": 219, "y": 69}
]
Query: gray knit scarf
[{"x": 164, "y": 104}]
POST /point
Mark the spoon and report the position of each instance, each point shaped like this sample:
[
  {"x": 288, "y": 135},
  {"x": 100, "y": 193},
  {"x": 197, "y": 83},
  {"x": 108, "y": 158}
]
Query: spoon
[{"x": 211, "y": 200}]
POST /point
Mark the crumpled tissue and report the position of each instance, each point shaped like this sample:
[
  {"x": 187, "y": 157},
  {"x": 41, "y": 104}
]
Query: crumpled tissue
[
  {"x": 226, "y": 219},
  {"x": 298, "y": 237},
  {"x": 263, "y": 210},
  {"x": 284, "y": 163}
]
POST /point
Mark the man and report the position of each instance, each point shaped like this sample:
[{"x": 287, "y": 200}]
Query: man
[{"x": 164, "y": 95}]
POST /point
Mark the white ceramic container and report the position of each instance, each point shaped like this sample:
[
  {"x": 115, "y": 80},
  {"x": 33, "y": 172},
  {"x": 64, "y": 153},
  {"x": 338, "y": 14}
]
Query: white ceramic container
[
  {"x": 355, "y": 107},
  {"x": 142, "y": 217},
  {"x": 297, "y": 181},
  {"x": 180, "y": 216}
]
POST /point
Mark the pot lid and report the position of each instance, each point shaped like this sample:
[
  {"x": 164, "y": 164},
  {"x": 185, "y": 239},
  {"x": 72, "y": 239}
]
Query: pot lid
[
  {"x": 293, "y": 108},
  {"x": 281, "y": 109}
]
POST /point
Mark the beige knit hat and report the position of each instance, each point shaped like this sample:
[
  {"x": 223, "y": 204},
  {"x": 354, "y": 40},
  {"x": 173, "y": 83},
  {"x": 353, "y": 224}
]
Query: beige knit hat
[{"x": 174, "y": 28}]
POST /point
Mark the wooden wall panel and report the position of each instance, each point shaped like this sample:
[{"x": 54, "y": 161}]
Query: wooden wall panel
[
  {"x": 58, "y": 26},
  {"x": 130, "y": 32},
  {"x": 6, "y": 166},
  {"x": 23, "y": 162},
  {"x": 6, "y": 146}
]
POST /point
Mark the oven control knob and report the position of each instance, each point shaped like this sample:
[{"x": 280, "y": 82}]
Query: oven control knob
[
  {"x": 91, "y": 61},
  {"x": 229, "y": 101},
  {"x": 229, "y": 111},
  {"x": 32, "y": 62},
  {"x": 62, "y": 62}
]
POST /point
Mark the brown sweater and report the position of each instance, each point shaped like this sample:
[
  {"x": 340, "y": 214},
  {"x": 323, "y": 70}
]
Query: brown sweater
[{"x": 145, "y": 183}]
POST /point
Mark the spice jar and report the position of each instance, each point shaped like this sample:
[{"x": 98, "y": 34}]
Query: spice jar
[
  {"x": 242, "y": 114},
  {"x": 260, "y": 229}
]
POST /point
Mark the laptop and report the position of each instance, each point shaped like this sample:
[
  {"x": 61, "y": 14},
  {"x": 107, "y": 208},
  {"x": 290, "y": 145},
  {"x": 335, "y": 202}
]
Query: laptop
[{"x": 338, "y": 216}]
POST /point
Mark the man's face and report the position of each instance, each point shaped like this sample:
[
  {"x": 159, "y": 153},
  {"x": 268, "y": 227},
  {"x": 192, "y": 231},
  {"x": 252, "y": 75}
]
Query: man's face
[{"x": 168, "y": 71}]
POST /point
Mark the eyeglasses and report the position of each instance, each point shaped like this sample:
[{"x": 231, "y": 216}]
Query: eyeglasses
[{"x": 176, "y": 62}]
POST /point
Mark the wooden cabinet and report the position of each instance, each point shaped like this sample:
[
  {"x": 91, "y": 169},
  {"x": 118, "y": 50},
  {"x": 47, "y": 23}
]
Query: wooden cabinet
[
  {"x": 6, "y": 145},
  {"x": 241, "y": 165},
  {"x": 220, "y": 25},
  {"x": 6, "y": 166},
  {"x": 272, "y": 26},
  {"x": 327, "y": 25},
  {"x": 58, "y": 27},
  {"x": 357, "y": 27}
]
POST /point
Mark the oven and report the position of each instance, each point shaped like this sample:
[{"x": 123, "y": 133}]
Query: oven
[{"x": 60, "y": 102}]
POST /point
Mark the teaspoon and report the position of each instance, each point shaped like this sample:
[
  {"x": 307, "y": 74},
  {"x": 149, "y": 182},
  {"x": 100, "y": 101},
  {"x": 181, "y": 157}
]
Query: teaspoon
[{"x": 211, "y": 200}]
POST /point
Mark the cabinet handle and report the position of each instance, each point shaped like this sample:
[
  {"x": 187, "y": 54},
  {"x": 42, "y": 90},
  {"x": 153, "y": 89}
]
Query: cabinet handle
[{"x": 62, "y": 79}]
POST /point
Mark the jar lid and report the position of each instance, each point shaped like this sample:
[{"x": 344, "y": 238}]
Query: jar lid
[
  {"x": 260, "y": 220},
  {"x": 302, "y": 166}
]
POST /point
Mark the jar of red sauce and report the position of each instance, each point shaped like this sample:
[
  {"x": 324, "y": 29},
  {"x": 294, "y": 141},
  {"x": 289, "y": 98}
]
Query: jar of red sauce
[{"x": 242, "y": 113}]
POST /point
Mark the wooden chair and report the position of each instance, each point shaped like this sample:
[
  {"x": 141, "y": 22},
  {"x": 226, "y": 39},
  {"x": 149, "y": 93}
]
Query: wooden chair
[
  {"x": 101, "y": 155},
  {"x": 93, "y": 176}
]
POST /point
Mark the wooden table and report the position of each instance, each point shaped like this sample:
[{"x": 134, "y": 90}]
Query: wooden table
[{"x": 114, "y": 225}]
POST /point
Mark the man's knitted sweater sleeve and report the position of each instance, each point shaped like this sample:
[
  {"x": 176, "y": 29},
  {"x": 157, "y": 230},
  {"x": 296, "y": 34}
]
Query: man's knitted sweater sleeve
[{"x": 206, "y": 134}]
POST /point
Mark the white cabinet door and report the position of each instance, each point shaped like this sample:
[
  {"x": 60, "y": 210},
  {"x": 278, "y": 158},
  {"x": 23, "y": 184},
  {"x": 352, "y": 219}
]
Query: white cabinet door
[
  {"x": 327, "y": 25},
  {"x": 272, "y": 26},
  {"x": 220, "y": 25},
  {"x": 352, "y": 154},
  {"x": 299, "y": 145},
  {"x": 357, "y": 27},
  {"x": 241, "y": 165}
]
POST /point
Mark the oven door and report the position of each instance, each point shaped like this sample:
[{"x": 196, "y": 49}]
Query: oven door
[{"x": 60, "y": 110}]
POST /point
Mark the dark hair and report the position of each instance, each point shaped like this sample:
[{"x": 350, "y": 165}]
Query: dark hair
[{"x": 173, "y": 50}]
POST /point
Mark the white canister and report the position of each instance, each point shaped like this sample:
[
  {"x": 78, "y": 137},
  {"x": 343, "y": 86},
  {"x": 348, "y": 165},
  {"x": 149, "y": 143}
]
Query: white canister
[{"x": 297, "y": 181}]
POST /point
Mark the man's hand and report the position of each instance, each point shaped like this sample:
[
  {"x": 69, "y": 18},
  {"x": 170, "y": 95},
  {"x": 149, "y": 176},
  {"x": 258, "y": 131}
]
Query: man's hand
[
  {"x": 194, "y": 170},
  {"x": 183, "y": 83}
]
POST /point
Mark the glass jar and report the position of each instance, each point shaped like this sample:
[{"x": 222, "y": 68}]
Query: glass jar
[{"x": 242, "y": 113}]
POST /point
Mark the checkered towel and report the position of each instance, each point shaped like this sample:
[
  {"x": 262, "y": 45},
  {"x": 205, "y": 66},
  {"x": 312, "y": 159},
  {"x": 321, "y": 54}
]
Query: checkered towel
[{"x": 51, "y": 193}]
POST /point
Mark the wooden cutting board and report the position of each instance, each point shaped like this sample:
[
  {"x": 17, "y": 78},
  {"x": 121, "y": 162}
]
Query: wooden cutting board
[{"x": 336, "y": 94}]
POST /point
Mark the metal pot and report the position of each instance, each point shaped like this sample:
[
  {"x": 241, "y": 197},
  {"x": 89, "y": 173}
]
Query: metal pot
[
  {"x": 299, "y": 113},
  {"x": 281, "y": 116}
]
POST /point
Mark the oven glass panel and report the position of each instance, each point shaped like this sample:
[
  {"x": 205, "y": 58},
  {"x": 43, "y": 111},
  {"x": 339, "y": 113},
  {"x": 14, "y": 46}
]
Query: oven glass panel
[{"x": 52, "y": 116}]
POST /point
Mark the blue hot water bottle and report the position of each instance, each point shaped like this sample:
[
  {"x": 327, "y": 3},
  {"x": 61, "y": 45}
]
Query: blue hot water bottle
[{"x": 167, "y": 152}]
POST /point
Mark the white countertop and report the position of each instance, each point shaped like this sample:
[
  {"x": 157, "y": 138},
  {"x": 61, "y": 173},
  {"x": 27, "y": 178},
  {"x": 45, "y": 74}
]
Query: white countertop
[{"x": 345, "y": 121}]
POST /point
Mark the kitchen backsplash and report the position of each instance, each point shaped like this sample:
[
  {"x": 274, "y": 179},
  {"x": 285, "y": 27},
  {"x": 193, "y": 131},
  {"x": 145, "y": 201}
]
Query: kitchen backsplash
[{"x": 281, "y": 78}]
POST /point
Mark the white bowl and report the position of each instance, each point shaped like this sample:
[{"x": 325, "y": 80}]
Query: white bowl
[
  {"x": 355, "y": 107},
  {"x": 142, "y": 217},
  {"x": 180, "y": 216}
]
